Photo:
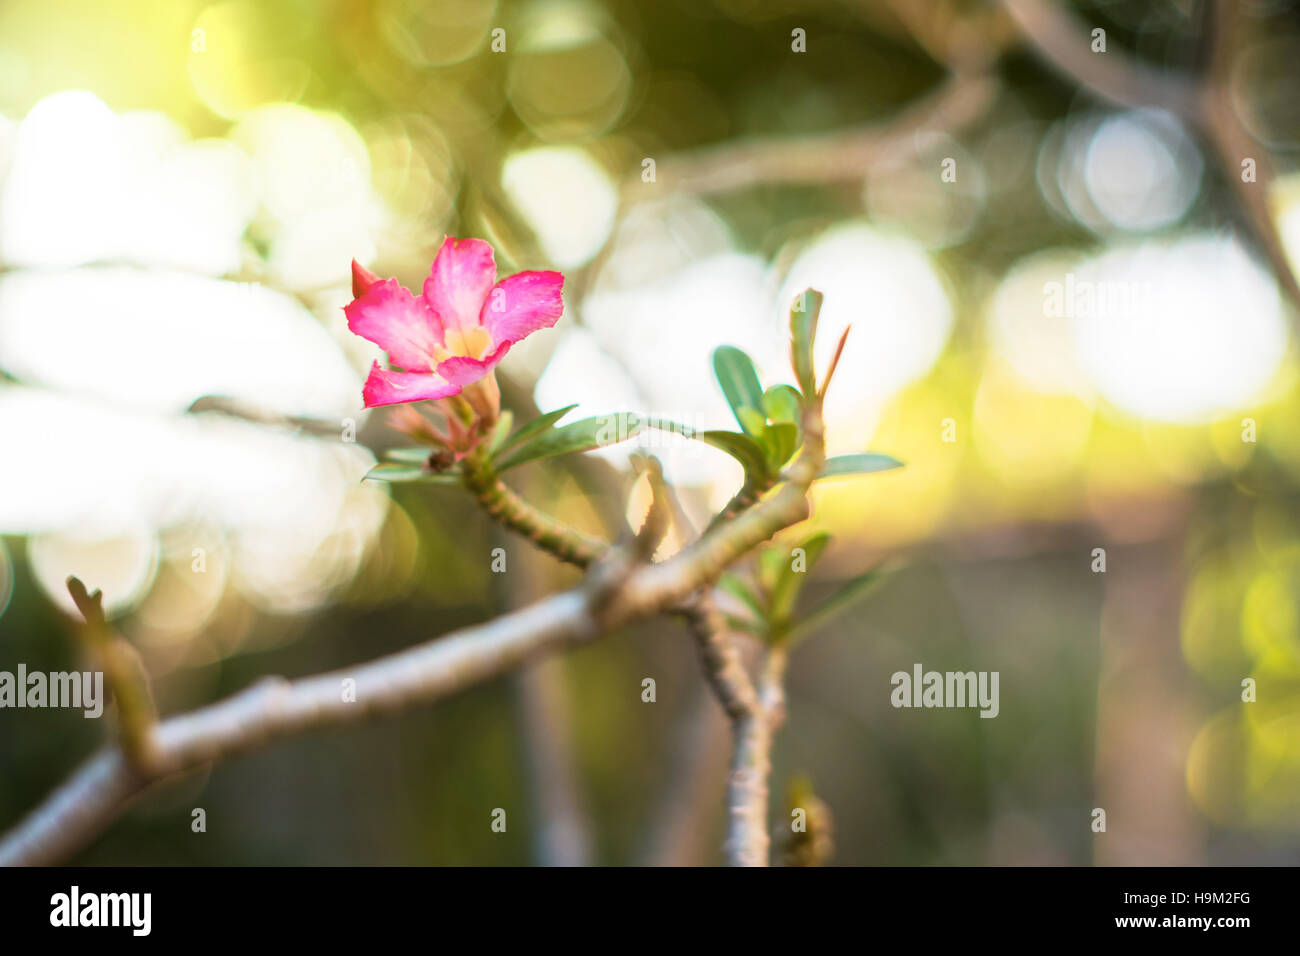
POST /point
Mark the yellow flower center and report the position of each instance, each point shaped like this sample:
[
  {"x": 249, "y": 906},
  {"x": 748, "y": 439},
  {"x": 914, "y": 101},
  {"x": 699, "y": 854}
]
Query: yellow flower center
[{"x": 473, "y": 343}]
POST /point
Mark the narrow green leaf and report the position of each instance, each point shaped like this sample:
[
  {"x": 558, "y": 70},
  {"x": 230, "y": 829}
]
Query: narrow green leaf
[
  {"x": 863, "y": 464},
  {"x": 740, "y": 447},
  {"x": 739, "y": 381},
  {"x": 839, "y": 602},
  {"x": 417, "y": 455},
  {"x": 583, "y": 435},
  {"x": 500, "y": 432},
  {"x": 781, "y": 403},
  {"x": 403, "y": 472},
  {"x": 739, "y": 588},
  {"x": 771, "y": 563},
  {"x": 539, "y": 424},
  {"x": 803, "y": 332},
  {"x": 745, "y": 625},
  {"x": 784, "y": 595}
]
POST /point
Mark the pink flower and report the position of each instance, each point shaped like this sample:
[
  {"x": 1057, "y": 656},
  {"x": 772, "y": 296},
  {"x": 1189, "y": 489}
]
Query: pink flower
[{"x": 455, "y": 332}]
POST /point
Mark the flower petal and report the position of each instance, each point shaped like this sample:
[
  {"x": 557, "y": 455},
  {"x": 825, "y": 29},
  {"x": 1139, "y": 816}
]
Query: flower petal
[
  {"x": 386, "y": 387},
  {"x": 523, "y": 303},
  {"x": 459, "y": 282},
  {"x": 398, "y": 322},
  {"x": 463, "y": 370}
]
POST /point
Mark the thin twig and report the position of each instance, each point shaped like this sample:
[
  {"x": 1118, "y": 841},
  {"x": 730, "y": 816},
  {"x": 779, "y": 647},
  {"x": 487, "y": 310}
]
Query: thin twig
[
  {"x": 839, "y": 156},
  {"x": 124, "y": 673},
  {"x": 616, "y": 591},
  {"x": 1062, "y": 41},
  {"x": 551, "y": 535},
  {"x": 723, "y": 667},
  {"x": 755, "y": 711}
]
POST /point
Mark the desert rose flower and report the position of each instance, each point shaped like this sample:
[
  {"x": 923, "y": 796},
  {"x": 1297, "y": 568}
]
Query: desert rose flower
[{"x": 451, "y": 336}]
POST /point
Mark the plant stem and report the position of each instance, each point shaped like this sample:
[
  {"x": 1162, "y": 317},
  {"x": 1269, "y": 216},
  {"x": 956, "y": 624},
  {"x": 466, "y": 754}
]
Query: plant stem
[{"x": 509, "y": 509}]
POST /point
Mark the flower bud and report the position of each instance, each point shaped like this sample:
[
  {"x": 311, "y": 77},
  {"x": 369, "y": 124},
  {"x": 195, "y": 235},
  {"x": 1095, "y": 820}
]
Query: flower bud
[{"x": 362, "y": 279}]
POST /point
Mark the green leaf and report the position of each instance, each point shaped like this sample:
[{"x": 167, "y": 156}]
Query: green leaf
[
  {"x": 738, "y": 588},
  {"x": 739, "y": 381},
  {"x": 780, "y": 442},
  {"x": 744, "y": 625},
  {"x": 782, "y": 598},
  {"x": 781, "y": 403},
  {"x": 740, "y": 447},
  {"x": 752, "y": 421},
  {"x": 771, "y": 562},
  {"x": 539, "y": 424},
  {"x": 500, "y": 431},
  {"x": 411, "y": 456},
  {"x": 583, "y": 435},
  {"x": 843, "y": 599},
  {"x": 863, "y": 464},
  {"x": 803, "y": 332},
  {"x": 403, "y": 472}
]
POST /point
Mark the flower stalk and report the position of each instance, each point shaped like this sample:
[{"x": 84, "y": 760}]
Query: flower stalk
[{"x": 503, "y": 505}]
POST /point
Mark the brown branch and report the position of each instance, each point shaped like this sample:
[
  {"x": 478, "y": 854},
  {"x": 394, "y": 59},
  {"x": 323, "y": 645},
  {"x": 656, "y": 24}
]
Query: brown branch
[
  {"x": 839, "y": 156},
  {"x": 755, "y": 710},
  {"x": 1062, "y": 41},
  {"x": 723, "y": 668},
  {"x": 551, "y": 535},
  {"x": 616, "y": 591},
  {"x": 748, "y": 841}
]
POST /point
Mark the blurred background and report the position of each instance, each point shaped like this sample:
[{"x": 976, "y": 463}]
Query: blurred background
[{"x": 1072, "y": 306}]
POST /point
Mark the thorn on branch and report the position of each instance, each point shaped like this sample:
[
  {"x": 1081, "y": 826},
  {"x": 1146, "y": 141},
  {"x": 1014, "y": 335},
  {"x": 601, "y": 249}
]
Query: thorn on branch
[
  {"x": 123, "y": 672},
  {"x": 835, "y": 361},
  {"x": 655, "y": 526}
]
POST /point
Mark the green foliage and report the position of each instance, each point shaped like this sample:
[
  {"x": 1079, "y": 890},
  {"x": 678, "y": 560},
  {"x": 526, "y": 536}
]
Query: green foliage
[
  {"x": 790, "y": 581},
  {"x": 744, "y": 449},
  {"x": 400, "y": 471},
  {"x": 739, "y": 380},
  {"x": 582, "y": 435},
  {"x": 803, "y": 331},
  {"x": 544, "y": 440},
  {"x": 409, "y": 456},
  {"x": 738, "y": 588},
  {"x": 782, "y": 403},
  {"x": 772, "y": 602},
  {"x": 769, "y": 433},
  {"x": 849, "y": 594},
  {"x": 861, "y": 464},
  {"x": 533, "y": 428},
  {"x": 500, "y": 432}
]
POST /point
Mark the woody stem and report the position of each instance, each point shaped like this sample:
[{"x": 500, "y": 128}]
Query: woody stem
[{"x": 509, "y": 509}]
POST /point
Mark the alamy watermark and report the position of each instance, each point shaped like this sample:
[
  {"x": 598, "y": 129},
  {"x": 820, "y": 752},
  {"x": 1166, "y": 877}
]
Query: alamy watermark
[
  {"x": 75, "y": 908},
  {"x": 1077, "y": 298},
  {"x": 651, "y": 429},
  {"x": 951, "y": 689},
  {"x": 80, "y": 690}
]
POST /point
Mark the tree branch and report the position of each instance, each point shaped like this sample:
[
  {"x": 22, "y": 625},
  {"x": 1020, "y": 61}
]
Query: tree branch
[
  {"x": 551, "y": 535},
  {"x": 839, "y": 156},
  {"x": 1061, "y": 41},
  {"x": 723, "y": 667},
  {"x": 748, "y": 841},
  {"x": 616, "y": 591},
  {"x": 755, "y": 712}
]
